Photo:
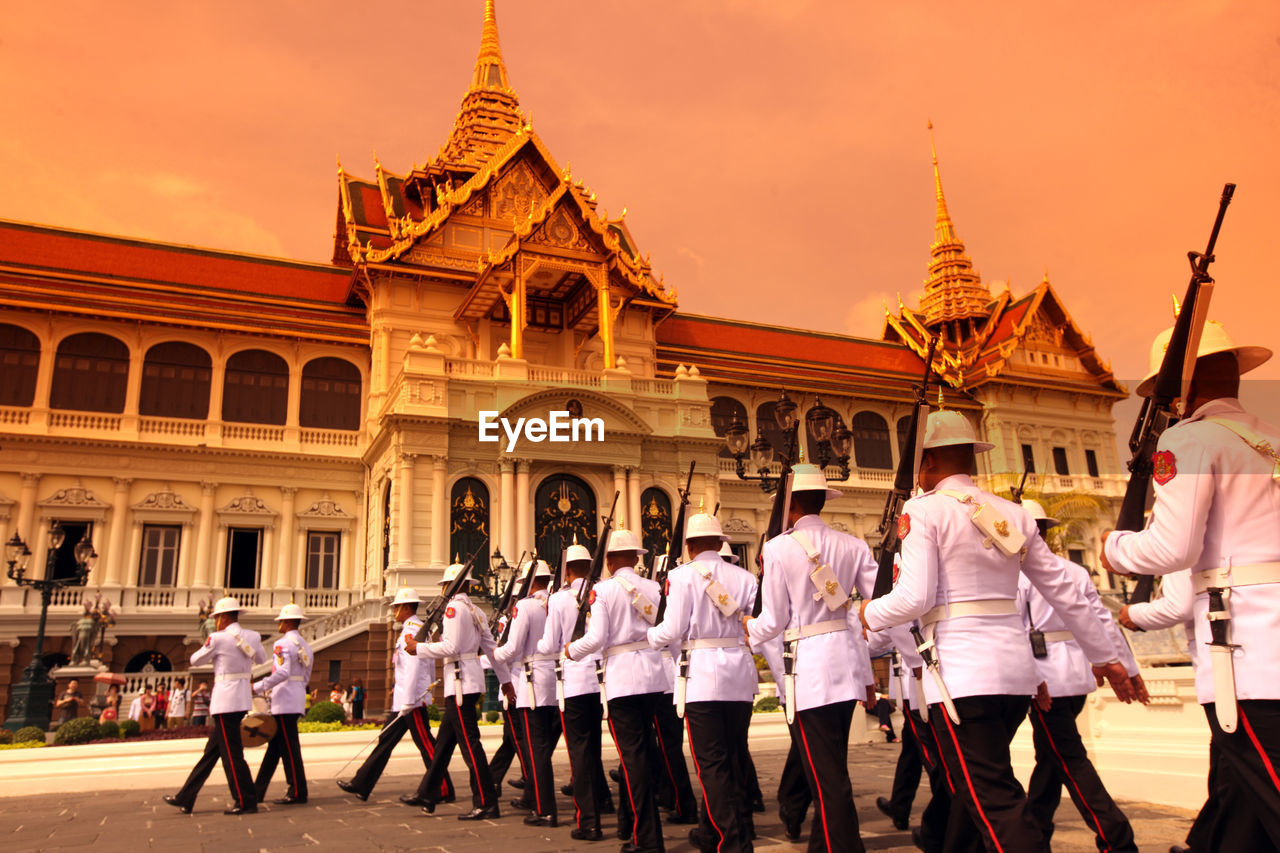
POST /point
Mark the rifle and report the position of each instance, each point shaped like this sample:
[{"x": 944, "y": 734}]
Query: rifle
[
  {"x": 675, "y": 547},
  {"x": 593, "y": 574},
  {"x": 777, "y": 517},
  {"x": 1171, "y": 383},
  {"x": 1015, "y": 495},
  {"x": 525, "y": 586},
  {"x": 505, "y": 602},
  {"x": 557, "y": 574},
  {"x": 432, "y": 621},
  {"x": 903, "y": 482}
]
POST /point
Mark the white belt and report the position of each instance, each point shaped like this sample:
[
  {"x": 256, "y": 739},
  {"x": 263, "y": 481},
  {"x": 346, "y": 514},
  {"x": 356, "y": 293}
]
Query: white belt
[
  {"x": 467, "y": 656},
  {"x": 231, "y": 676},
  {"x": 301, "y": 678},
  {"x": 713, "y": 643},
  {"x": 1235, "y": 576},
  {"x": 639, "y": 645},
  {"x": 1058, "y": 636},
  {"x": 816, "y": 629},
  {"x": 959, "y": 609},
  {"x": 548, "y": 656}
]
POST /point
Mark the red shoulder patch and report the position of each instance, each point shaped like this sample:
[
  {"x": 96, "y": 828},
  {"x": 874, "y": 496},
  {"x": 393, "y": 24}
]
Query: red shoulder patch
[
  {"x": 449, "y": 612},
  {"x": 897, "y": 570},
  {"x": 208, "y": 641},
  {"x": 904, "y": 525},
  {"x": 279, "y": 649},
  {"x": 591, "y": 599},
  {"x": 1164, "y": 466}
]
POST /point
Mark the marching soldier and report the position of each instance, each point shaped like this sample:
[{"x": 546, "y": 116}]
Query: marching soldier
[
  {"x": 821, "y": 680},
  {"x": 716, "y": 681},
  {"x": 410, "y": 696},
  {"x": 535, "y": 694},
  {"x": 233, "y": 650},
  {"x": 581, "y": 712},
  {"x": 287, "y": 688},
  {"x": 635, "y": 681},
  {"x": 1061, "y": 757},
  {"x": 464, "y": 636},
  {"x": 1217, "y": 498},
  {"x": 962, "y": 550}
]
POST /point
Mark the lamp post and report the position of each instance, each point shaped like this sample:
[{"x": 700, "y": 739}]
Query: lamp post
[
  {"x": 832, "y": 441},
  {"x": 495, "y": 581},
  {"x": 31, "y": 697}
]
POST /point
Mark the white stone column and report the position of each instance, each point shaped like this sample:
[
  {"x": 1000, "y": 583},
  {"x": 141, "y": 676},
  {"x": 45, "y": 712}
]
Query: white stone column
[
  {"x": 217, "y": 381},
  {"x": 710, "y": 493},
  {"x": 440, "y": 555},
  {"x": 266, "y": 571},
  {"x": 633, "y": 498},
  {"x": 185, "y": 559},
  {"x": 204, "y": 535},
  {"x": 524, "y": 514},
  {"x": 507, "y": 508},
  {"x": 622, "y": 518},
  {"x": 133, "y": 388},
  {"x": 404, "y": 543},
  {"x": 114, "y": 568},
  {"x": 284, "y": 564},
  {"x": 218, "y": 567},
  {"x": 26, "y": 514},
  {"x": 132, "y": 560}
]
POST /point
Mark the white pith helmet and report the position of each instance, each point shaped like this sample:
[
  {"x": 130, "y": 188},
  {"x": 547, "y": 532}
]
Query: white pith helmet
[
  {"x": 226, "y": 605},
  {"x": 700, "y": 525},
  {"x": 807, "y": 477},
  {"x": 1037, "y": 512},
  {"x": 289, "y": 612},
  {"x": 624, "y": 540},
  {"x": 406, "y": 595},
  {"x": 540, "y": 570},
  {"x": 947, "y": 428},
  {"x": 1214, "y": 339},
  {"x": 727, "y": 552},
  {"x": 576, "y": 552},
  {"x": 451, "y": 572}
]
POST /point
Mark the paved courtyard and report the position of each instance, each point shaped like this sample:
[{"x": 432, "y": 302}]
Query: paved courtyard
[{"x": 133, "y": 820}]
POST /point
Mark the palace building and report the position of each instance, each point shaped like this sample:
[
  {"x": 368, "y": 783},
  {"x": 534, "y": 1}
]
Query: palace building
[{"x": 220, "y": 423}]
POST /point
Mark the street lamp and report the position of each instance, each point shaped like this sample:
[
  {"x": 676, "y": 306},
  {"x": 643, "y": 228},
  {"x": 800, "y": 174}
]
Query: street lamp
[
  {"x": 499, "y": 571},
  {"x": 32, "y": 696},
  {"x": 831, "y": 440}
]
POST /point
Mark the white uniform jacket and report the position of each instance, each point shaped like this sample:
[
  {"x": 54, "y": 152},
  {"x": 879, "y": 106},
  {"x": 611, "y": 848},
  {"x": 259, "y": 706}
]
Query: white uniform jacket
[
  {"x": 233, "y": 650},
  {"x": 827, "y": 667},
  {"x": 614, "y": 622},
  {"x": 1176, "y": 606},
  {"x": 522, "y": 642},
  {"x": 1216, "y": 505},
  {"x": 1065, "y": 671},
  {"x": 464, "y": 633},
  {"x": 413, "y": 673},
  {"x": 944, "y": 562},
  {"x": 291, "y": 663},
  {"x": 715, "y": 674},
  {"x": 562, "y": 615},
  {"x": 899, "y": 642}
]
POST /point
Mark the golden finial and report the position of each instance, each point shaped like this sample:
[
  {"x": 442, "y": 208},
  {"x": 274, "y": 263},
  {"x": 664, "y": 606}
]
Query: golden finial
[
  {"x": 457, "y": 558},
  {"x": 702, "y": 504},
  {"x": 943, "y": 215},
  {"x": 376, "y": 161},
  {"x": 941, "y": 402},
  {"x": 802, "y": 454},
  {"x": 1177, "y": 307},
  {"x": 575, "y": 537},
  {"x": 339, "y": 159}
]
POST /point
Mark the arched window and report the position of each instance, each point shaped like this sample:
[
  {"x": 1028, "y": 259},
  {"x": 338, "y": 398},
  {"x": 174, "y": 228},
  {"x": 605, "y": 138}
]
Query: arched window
[
  {"x": 563, "y": 506},
  {"x": 330, "y": 394},
  {"x": 175, "y": 381},
  {"x": 655, "y": 521},
  {"x": 90, "y": 374},
  {"x": 469, "y": 523},
  {"x": 724, "y": 411},
  {"x": 904, "y": 424},
  {"x": 768, "y": 426},
  {"x": 871, "y": 448},
  {"x": 256, "y": 390},
  {"x": 19, "y": 364}
]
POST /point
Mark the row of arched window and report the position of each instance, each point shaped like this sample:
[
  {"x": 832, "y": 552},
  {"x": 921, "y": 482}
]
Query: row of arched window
[
  {"x": 91, "y": 373},
  {"x": 871, "y": 445}
]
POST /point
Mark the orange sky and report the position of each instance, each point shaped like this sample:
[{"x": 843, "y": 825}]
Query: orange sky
[{"x": 772, "y": 154}]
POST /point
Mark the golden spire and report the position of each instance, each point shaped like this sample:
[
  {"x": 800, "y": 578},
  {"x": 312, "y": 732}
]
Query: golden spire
[
  {"x": 490, "y": 112},
  {"x": 944, "y": 228},
  {"x": 491, "y": 72}
]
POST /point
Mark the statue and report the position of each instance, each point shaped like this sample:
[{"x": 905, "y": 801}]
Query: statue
[
  {"x": 82, "y": 632},
  {"x": 104, "y": 617},
  {"x": 206, "y": 619}
]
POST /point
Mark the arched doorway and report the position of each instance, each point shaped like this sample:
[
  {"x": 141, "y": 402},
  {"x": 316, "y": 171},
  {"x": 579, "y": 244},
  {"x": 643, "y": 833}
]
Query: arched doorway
[
  {"x": 564, "y": 505},
  {"x": 655, "y": 522},
  {"x": 148, "y": 662},
  {"x": 469, "y": 524}
]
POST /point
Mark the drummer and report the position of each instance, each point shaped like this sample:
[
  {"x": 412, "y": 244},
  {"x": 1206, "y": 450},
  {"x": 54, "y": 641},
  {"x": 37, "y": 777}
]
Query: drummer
[{"x": 291, "y": 663}]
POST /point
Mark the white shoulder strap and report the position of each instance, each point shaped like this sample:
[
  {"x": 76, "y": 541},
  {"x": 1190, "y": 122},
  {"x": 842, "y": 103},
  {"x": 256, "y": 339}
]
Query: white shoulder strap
[
  {"x": 997, "y": 531},
  {"x": 719, "y": 596},
  {"x": 1255, "y": 441},
  {"x": 806, "y": 545}
]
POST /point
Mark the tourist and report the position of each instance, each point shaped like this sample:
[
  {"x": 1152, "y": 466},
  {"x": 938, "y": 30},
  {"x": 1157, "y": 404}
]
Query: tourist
[
  {"x": 200, "y": 705},
  {"x": 162, "y": 707},
  {"x": 69, "y": 703},
  {"x": 177, "y": 713},
  {"x": 357, "y": 698},
  {"x": 146, "y": 710},
  {"x": 110, "y": 704}
]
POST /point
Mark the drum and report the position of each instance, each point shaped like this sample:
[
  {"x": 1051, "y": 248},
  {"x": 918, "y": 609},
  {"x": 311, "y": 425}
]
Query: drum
[{"x": 258, "y": 726}]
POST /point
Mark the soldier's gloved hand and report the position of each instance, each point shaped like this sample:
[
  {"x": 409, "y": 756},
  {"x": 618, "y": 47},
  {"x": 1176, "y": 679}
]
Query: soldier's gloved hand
[
  {"x": 510, "y": 693},
  {"x": 410, "y": 644},
  {"x": 1114, "y": 672},
  {"x": 1140, "y": 689},
  {"x": 1042, "y": 699}
]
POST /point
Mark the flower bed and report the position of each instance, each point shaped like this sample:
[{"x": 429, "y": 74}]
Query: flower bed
[{"x": 26, "y": 744}]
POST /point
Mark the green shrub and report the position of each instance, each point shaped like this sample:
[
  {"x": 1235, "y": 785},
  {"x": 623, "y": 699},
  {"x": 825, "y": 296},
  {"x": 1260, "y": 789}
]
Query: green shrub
[
  {"x": 491, "y": 716},
  {"x": 767, "y": 703},
  {"x": 109, "y": 728},
  {"x": 6, "y": 736},
  {"x": 29, "y": 733},
  {"x": 129, "y": 728},
  {"x": 326, "y": 712},
  {"x": 79, "y": 730},
  {"x": 434, "y": 714}
]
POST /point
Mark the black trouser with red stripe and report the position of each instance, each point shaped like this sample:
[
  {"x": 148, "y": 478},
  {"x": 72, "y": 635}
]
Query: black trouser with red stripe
[
  {"x": 906, "y": 775},
  {"x": 541, "y": 733},
  {"x": 1061, "y": 759},
  {"x": 284, "y": 743},
  {"x": 1243, "y": 809},
  {"x": 822, "y": 741},
  {"x": 794, "y": 796},
  {"x": 675, "y": 789},
  {"x": 988, "y": 809},
  {"x": 508, "y": 749},
  {"x": 581, "y": 722},
  {"x": 418, "y": 725},
  {"x": 718, "y": 741},
  {"x": 459, "y": 727},
  {"x": 223, "y": 743},
  {"x": 933, "y": 820},
  {"x": 631, "y": 722}
]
